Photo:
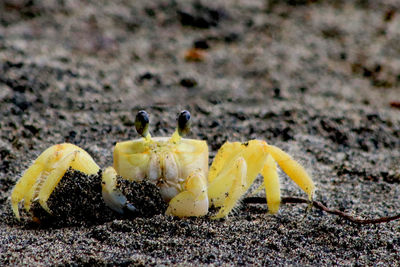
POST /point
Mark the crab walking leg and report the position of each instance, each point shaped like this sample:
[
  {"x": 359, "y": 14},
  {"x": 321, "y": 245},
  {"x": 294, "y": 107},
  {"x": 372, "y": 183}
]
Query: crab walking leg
[
  {"x": 53, "y": 162},
  {"x": 226, "y": 154},
  {"x": 54, "y": 178},
  {"x": 253, "y": 152},
  {"x": 293, "y": 169},
  {"x": 271, "y": 184},
  {"x": 26, "y": 185},
  {"x": 33, "y": 191},
  {"x": 228, "y": 187},
  {"x": 85, "y": 163},
  {"x": 225, "y": 174},
  {"x": 78, "y": 160},
  {"x": 193, "y": 201}
]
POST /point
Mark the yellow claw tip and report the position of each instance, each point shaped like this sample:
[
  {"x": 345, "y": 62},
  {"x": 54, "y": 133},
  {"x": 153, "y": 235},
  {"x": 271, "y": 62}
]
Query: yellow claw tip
[
  {"x": 221, "y": 214},
  {"x": 45, "y": 206},
  {"x": 273, "y": 211},
  {"x": 273, "y": 207},
  {"x": 27, "y": 205},
  {"x": 16, "y": 211},
  {"x": 311, "y": 193}
]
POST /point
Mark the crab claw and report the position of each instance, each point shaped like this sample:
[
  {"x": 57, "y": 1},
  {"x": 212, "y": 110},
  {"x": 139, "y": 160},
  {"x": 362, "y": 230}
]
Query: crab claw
[
  {"x": 193, "y": 200},
  {"x": 114, "y": 198}
]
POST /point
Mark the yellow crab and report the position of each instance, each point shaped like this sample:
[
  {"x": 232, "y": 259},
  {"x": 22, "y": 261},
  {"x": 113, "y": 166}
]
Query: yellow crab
[{"x": 178, "y": 166}]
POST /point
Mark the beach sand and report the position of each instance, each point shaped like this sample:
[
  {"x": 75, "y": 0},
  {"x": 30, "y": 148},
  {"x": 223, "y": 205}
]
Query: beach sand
[{"x": 320, "y": 80}]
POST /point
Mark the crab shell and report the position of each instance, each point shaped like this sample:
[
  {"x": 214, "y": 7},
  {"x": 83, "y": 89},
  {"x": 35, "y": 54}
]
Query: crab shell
[{"x": 173, "y": 166}]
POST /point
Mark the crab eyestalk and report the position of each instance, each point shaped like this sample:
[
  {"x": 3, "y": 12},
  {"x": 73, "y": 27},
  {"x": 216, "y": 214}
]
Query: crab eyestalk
[
  {"x": 183, "y": 123},
  {"x": 142, "y": 124},
  {"x": 183, "y": 126}
]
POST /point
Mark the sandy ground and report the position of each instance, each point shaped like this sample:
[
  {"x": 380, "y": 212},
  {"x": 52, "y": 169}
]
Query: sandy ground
[{"x": 319, "y": 80}]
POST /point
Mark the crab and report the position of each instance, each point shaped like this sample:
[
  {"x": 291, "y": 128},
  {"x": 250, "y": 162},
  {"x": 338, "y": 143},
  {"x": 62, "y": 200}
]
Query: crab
[{"x": 177, "y": 165}]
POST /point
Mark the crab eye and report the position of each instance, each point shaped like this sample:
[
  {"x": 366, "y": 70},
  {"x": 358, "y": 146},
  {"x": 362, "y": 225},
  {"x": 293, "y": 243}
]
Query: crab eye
[
  {"x": 183, "y": 122},
  {"x": 142, "y": 123}
]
